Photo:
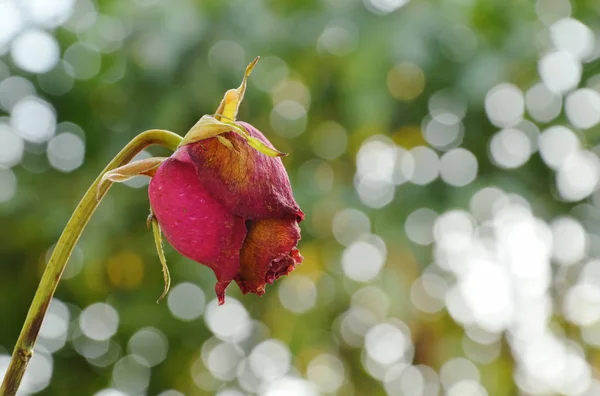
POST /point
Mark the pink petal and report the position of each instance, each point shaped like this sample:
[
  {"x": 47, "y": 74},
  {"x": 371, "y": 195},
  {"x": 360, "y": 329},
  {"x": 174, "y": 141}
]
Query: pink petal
[{"x": 195, "y": 224}]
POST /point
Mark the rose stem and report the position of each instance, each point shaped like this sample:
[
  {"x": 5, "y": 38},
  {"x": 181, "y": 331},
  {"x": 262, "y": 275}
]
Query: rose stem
[{"x": 83, "y": 212}]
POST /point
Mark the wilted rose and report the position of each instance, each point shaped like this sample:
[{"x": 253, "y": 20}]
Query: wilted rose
[{"x": 224, "y": 200}]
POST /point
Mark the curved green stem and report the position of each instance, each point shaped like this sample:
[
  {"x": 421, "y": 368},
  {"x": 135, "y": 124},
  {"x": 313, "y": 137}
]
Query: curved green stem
[{"x": 24, "y": 347}]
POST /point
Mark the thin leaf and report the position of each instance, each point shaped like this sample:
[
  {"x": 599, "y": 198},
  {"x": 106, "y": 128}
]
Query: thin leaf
[
  {"x": 145, "y": 167},
  {"x": 258, "y": 145},
  {"x": 161, "y": 255}
]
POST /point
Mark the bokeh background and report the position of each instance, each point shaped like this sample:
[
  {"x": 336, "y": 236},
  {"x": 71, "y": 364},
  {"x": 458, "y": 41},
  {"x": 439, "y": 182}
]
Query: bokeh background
[{"x": 444, "y": 151}]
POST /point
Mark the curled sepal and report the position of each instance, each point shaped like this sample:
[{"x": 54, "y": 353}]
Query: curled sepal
[
  {"x": 258, "y": 145},
  {"x": 208, "y": 127},
  {"x": 229, "y": 106},
  {"x": 161, "y": 255},
  {"x": 145, "y": 167}
]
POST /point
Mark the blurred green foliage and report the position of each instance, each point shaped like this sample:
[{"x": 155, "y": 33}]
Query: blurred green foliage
[{"x": 172, "y": 65}]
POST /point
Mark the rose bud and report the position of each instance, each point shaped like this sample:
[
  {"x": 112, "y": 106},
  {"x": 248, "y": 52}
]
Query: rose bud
[{"x": 224, "y": 199}]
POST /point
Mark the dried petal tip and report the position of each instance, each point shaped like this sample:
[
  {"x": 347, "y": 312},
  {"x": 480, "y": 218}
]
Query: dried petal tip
[
  {"x": 268, "y": 253},
  {"x": 220, "y": 291},
  {"x": 277, "y": 268},
  {"x": 283, "y": 266}
]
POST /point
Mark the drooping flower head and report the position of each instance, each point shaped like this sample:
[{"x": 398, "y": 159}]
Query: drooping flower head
[{"x": 224, "y": 200}]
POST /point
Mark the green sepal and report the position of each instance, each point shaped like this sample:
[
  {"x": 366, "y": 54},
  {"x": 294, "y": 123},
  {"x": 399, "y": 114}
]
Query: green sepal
[
  {"x": 258, "y": 145},
  {"x": 145, "y": 167},
  {"x": 208, "y": 126},
  {"x": 161, "y": 255}
]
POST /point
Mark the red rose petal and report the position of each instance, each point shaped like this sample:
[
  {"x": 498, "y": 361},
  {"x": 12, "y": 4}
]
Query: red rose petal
[
  {"x": 195, "y": 224},
  {"x": 250, "y": 184}
]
